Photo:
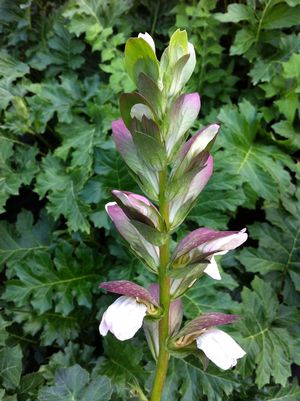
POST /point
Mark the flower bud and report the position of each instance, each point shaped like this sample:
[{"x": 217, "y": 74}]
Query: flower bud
[
  {"x": 177, "y": 63},
  {"x": 148, "y": 252},
  {"x": 138, "y": 207},
  {"x": 146, "y": 177},
  {"x": 188, "y": 189}
]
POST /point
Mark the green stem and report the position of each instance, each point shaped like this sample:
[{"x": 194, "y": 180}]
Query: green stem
[
  {"x": 155, "y": 18},
  {"x": 164, "y": 288}
]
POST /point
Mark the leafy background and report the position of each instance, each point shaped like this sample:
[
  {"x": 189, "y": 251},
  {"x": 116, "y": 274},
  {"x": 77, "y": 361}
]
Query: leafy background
[{"x": 61, "y": 71}]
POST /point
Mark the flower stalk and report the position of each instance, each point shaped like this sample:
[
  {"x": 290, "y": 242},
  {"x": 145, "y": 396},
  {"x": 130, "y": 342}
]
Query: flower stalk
[
  {"x": 172, "y": 170},
  {"x": 164, "y": 290}
]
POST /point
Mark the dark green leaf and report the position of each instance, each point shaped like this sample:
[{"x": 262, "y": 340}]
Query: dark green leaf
[
  {"x": 10, "y": 366},
  {"x": 74, "y": 384}
]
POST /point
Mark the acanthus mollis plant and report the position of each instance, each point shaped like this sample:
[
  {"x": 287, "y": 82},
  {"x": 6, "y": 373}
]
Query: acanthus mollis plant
[{"x": 172, "y": 170}]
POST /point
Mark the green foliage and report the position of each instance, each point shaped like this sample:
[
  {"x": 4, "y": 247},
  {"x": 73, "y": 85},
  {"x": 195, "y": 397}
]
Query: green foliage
[
  {"x": 61, "y": 69},
  {"x": 74, "y": 384},
  {"x": 186, "y": 375},
  {"x": 267, "y": 335}
]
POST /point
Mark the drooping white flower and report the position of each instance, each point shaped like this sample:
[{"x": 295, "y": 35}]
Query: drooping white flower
[
  {"x": 220, "y": 348},
  {"x": 147, "y": 38},
  {"x": 123, "y": 318}
]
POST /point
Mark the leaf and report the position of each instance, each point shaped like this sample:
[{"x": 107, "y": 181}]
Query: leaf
[
  {"x": 220, "y": 198},
  {"x": 288, "y": 105},
  {"x": 80, "y": 140},
  {"x": 74, "y": 384},
  {"x": 10, "y": 366},
  {"x": 123, "y": 364},
  {"x": 185, "y": 376},
  {"x": 61, "y": 53},
  {"x": 236, "y": 13},
  {"x": 30, "y": 385},
  {"x": 279, "y": 245},
  {"x": 25, "y": 239},
  {"x": 289, "y": 393},
  {"x": 17, "y": 167},
  {"x": 87, "y": 16},
  {"x": 43, "y": 283},
  {"x": 3, "y": 331},
  {"x": 52, "y": 97},
  {"x": 207, "y": 296},
  {"x": 266, "y": 337},
  {"x": 244, "y": 39},
  {"x": 286, "y": 130},
  {"x": 52, "y": 328},
  {"x": 281, "y": 16},
  {"x": 291, "y": 67},
  {"x": 64, "y": 189},
  {"x": 260, "y": 165},
  {"x": 10, "y": 67}
]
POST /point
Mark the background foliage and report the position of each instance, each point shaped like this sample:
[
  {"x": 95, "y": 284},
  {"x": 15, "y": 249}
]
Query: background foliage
[{"x": 61, "y": 71}]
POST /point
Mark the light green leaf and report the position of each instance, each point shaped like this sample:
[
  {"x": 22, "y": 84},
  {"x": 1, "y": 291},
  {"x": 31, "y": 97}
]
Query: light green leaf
[
  {"x": 292, "y": 66},
  {"x": 287, "y": 131},
  {"x": 288, "y": 105},
  {"x": 243, "y": 40},
  {"x": 236, "y": 13}
]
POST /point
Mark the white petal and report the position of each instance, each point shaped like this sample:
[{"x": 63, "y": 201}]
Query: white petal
[
  {"x": 220, "y": 348},
  {"x": 103, "y": 329},
  {"x": 123, "y": 318},
  {"x": 139, "y": 110},
  {"x": 212, "y": 270},
  {"x": 226, "y": 243},
  {"x": 147, "y": 38}
]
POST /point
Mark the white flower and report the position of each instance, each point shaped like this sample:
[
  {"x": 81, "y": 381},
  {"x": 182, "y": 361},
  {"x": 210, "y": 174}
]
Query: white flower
[
  {"x": 123, "y": 318},
  {"x": 147, "y": 38},
  {"x": 220, "y": 348}
]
